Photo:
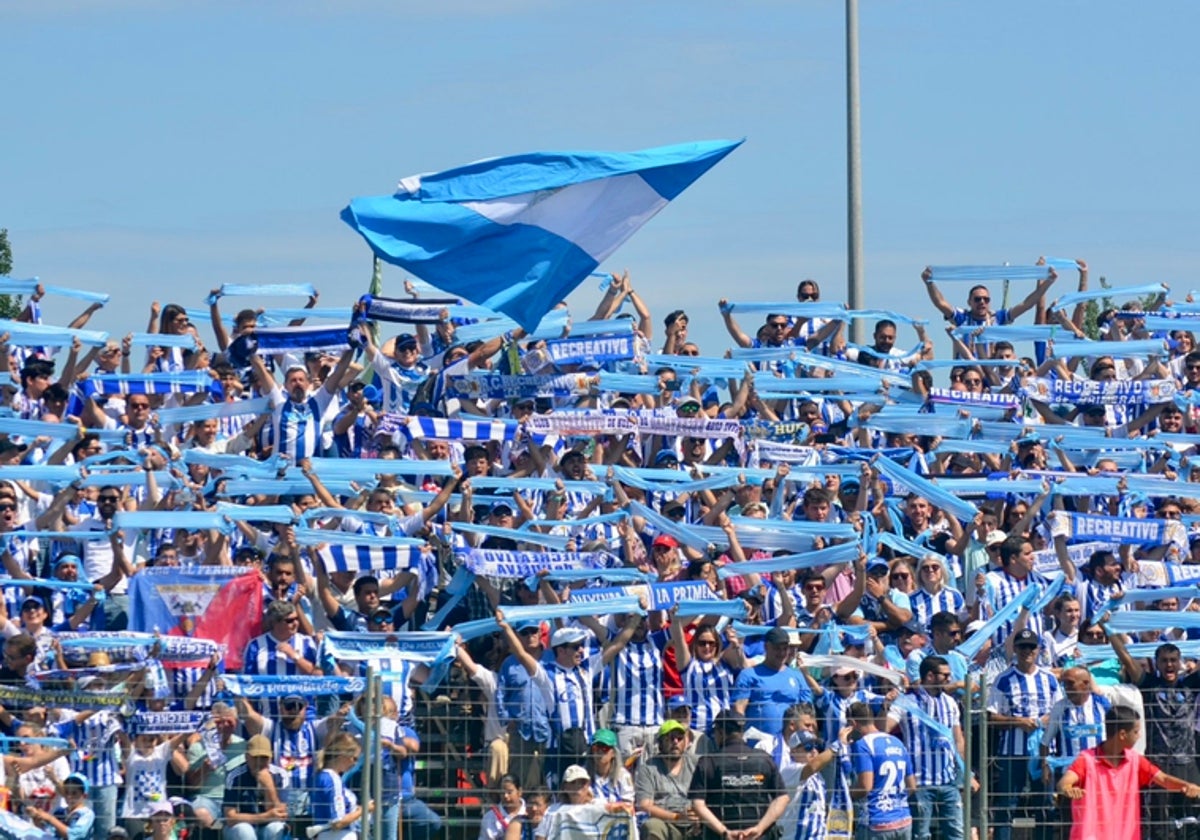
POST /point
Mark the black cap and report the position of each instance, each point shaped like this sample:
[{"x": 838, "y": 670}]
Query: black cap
[
  {"x": 778, "y": 636},
  {"x": 1026, "y": 638},
  {"x": 730, "y": 720},
  {"x": 7, "y": 446}
]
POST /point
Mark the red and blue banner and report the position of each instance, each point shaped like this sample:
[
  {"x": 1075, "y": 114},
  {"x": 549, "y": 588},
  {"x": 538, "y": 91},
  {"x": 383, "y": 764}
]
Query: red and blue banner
[{"x": 223, "y": 604}]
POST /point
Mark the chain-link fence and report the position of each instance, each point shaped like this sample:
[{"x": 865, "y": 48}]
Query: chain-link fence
[{"x": 1009, "y": 791}]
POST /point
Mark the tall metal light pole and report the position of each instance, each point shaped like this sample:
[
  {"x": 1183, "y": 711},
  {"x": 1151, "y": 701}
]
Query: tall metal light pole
[{"x": 854, "y": 257}]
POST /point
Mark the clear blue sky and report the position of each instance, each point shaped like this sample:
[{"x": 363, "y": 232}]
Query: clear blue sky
[{"x": 158, "y": 149}]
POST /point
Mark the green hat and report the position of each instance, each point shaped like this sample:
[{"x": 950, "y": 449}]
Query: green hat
[
  {"x": 606, "y": 737},
  {"x": 670, "y": 726}
]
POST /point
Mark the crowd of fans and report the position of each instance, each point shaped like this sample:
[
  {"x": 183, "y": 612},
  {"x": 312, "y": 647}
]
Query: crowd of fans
[{"x": 820, "y": 551}]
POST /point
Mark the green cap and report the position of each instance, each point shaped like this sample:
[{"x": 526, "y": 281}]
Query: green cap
[{"x": 606, "y": 737}]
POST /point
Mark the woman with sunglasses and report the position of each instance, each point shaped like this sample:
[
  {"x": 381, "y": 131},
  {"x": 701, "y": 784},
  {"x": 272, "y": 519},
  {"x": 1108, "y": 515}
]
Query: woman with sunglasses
[
  {"x": 707, "y": 670},
  {"x": 611, "y": 782},
  {"x": 933, "y": 593},
  {"x": 173, "y": 321},
  {"x": 902, "y": 575}
]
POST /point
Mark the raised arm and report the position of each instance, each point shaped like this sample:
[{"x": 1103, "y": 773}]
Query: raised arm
[
  {"x": 732, "y": 327},
  {"x": 1030, "y": 301},
  {"x": 214, "y": 315},
  {"x": 935, "y": 294}
]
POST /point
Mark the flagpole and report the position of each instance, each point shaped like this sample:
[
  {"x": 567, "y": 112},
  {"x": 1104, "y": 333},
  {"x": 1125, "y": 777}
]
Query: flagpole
[{"x": 854, "y": 258}]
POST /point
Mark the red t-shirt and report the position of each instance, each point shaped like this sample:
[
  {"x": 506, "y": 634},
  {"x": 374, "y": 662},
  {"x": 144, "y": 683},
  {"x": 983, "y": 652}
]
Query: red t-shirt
[{"x": 1110, "y": 808}]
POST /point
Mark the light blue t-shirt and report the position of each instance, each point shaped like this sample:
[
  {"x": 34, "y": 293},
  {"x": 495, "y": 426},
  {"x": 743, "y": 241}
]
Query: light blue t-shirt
[{"x": 769, "y": 693}]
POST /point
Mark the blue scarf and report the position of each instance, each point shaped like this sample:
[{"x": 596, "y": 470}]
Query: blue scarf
[
  {"x": 522, "y": 564},
  {"x": 598, "y": 350},
  {"x": 266, "y": 686},
  {"x": 262, "y": 290}
]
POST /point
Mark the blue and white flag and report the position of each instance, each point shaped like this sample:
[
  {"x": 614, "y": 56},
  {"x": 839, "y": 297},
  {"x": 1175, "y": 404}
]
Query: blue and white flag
[{"x": 518, "y": 234}]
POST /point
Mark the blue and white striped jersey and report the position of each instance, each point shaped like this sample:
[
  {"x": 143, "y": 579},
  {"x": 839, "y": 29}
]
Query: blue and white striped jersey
[
  {"x": 262, "y": 656},
  {"x": 925, "y": 606},
  {"x": 708, "y": 689},
  {"x": 1003, "y": 588},
  {"x": 98, "y": 754},
  {"x": 933, "y": 756},
  {"x": 1017, "y": 694},
  {"x": 570, "y": 691},
  {"x": 637, "y": 687},
  {"x": 296, "y": 426},
  {"x": 295, "y": 751},
  {"x": 1073, "y": 729}
]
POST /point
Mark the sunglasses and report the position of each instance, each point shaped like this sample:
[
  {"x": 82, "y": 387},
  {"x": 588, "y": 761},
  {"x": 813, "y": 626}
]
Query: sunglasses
[
  {"x": 528, "y": 631},
  {"x": 7, "y": 507},
  {"x": 112, "y": 500},
  {"x": 809, "y": 296},
  {"x": 706, "y": 643},
  {"x": 981, "y": 299},
  {"x": 777, "y": 325},
  {"x": 572, "y": 645}
]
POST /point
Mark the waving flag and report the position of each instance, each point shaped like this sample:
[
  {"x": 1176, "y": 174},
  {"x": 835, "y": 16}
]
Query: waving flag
[
  {"x": 518, "y": 234},
  {"x": 220, "y": 603}
]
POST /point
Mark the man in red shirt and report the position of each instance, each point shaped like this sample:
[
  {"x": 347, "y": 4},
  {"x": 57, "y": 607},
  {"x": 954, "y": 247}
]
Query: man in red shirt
[{"x": 1104, "y": 782}]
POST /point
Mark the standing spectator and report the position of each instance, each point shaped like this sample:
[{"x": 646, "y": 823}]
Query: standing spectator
[
  {"x": 737, "y": 791},
  {"x": 764, "y": 692},
  {"x": 1103, "y": 783},
  {"x": 98, "y": 737},
  {"x": 704, "y": 669},
  {"x": 1019, "y": 704},
  {"x": 335, "y": 806},
  {"x": 494, "y": 734},
  {"x": 884, "y": 776},
  {"x": 297, "y": 414},
  {"x": 1169, "y": 695},
  {"x": 522, "y": 704},
  {"x": 935, "y": 758}
]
